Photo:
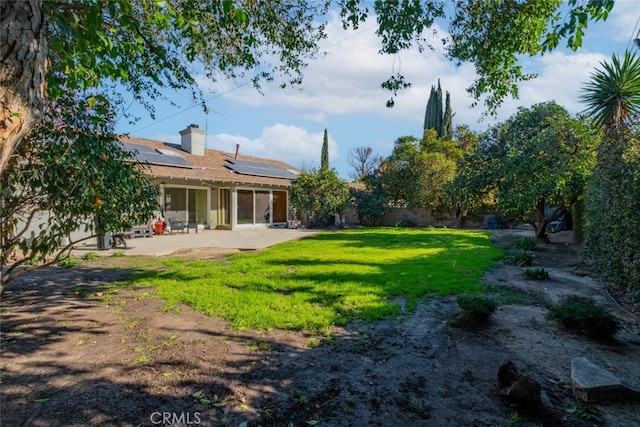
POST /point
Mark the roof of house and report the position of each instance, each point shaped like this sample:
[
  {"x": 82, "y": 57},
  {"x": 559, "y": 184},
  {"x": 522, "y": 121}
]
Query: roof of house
[{"x": 210, "y": 167}]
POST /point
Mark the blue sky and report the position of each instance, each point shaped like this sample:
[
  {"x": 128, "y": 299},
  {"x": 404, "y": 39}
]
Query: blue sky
[{"x": 341, "y": 92}]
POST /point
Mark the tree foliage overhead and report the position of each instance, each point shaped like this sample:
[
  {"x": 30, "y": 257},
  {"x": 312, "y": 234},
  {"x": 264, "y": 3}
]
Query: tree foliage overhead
[
  {"x": 150, "y": 44},
  {"x": 492, "y": 34},
  {"x": 71, "y": 171},
  {"x": 539, "y": 157},
  {"x": 146, "y": 45}
]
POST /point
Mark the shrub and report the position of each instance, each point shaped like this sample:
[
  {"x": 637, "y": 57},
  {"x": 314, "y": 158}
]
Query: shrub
[
  {"x": 536, "y": 273},
  {"x": 582, "y": 315},
  {"x": 612, "y": 203},
  {"x": 68, "y": 261},
  {"x": 91, "y": 255},
  {"x": 477, "y": 308},
  {"x": 404, "y": 223},
  {"x": 525, "y": 243},
  {"x": 520, "y": 258}
]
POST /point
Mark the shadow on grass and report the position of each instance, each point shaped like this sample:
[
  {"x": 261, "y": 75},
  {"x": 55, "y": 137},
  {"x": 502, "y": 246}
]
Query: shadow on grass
[
  {"x": 358, "y": 276},
  {"x": 55, "y": 381}
]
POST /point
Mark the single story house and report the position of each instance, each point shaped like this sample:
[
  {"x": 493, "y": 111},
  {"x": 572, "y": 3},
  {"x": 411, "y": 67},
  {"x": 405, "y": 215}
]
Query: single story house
[{"x": 213, "y": 189}]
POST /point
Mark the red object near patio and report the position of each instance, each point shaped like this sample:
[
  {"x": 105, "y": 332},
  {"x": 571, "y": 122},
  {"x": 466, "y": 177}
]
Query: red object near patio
[{"x": 159, "y": 227}]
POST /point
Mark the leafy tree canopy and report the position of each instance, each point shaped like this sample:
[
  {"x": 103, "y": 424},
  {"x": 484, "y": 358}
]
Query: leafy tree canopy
[
  {"x": 71, "y": 171},
  {"x": 320, "y": 193},
  {"x": 371, "y": 202},
  {"x": 418, "y": 171},
  {"x": 540, "y": 156}
]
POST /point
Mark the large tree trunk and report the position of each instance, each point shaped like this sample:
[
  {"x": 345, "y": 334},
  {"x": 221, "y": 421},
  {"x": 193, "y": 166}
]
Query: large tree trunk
[
  {"x": 539, "y": 221},
  {"x": 23, "y": 52}
]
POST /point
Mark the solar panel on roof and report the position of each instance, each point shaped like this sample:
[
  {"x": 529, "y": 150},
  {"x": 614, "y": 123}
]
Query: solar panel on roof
[
  {"x": 145, "y": 154},
  {"x": 245, "y": 167}
]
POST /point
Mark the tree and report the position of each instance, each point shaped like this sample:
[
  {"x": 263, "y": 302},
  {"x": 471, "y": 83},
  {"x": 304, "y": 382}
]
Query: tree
[
  {"x": 612, "y": 95},
  {"x": 371, "y": 202},
  {"x": 447, "y": 125},
  {"x": 431, "y": 117},
  {"x": 324, "y": 157},
  {"x": 147, "y": 45},
  {"x": 612, "y": 204},
  {"x": 539, "y": 157},
  {"x": 320, "y": 193},
  {"x": 435, "y": 118},
  {"x": 144, "y": 46},
  {"x": 363, "y": 162},
  {"x": 67, "y": 177},
  {"x": 438, "y": 111},
  {"x": 417, "y": 172}
]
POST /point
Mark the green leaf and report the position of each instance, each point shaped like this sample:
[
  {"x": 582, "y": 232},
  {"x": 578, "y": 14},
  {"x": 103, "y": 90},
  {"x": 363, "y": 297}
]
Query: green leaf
[{"x": 241, "y": 16}]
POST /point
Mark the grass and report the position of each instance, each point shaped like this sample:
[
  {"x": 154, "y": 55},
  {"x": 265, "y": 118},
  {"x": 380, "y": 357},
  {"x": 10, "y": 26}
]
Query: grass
[{"x": 328, "y": 279}]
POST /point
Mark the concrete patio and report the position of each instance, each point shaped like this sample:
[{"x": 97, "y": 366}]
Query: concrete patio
[{"x": 165, "y": 244}]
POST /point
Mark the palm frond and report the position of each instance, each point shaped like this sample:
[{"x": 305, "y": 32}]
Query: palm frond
[{"x": 612, "y": 95}]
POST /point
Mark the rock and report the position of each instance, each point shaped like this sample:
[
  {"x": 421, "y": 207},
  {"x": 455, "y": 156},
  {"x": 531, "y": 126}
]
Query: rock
[
  {"x": 590, "y": 382},
  {"x": 516, "y": 386}
]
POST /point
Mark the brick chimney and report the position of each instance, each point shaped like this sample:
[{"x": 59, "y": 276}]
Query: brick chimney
[{"x": 192, "y": 140}]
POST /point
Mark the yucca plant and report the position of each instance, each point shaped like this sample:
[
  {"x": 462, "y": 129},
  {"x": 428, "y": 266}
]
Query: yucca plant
[
  {"x": 536, "y": 273},
  {"x": 612, "y": 95},
  {"x": 519, "y": 258},
  {"x": 526, "y": 243}
]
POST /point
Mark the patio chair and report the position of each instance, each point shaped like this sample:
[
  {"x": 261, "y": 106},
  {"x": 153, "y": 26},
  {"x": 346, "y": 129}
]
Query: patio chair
[{"x": 177, "y": 225}]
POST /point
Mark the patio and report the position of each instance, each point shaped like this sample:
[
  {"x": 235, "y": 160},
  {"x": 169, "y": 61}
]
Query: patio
[{"x": 165, "y": 244}]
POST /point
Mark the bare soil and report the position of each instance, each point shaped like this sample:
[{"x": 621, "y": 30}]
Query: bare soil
[{"x": 71, "y": 359}]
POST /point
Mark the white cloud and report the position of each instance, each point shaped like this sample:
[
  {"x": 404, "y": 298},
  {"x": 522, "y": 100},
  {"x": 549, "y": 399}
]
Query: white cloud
[
  {"x": 347, "y": 80},
  {"x": 346, "y": 84},
  {"x": 290, "y": 144}
]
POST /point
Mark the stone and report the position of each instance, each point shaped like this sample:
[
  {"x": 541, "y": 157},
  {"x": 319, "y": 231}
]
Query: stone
[
  {"x": 590, "y": 382},
  {"x": 514, "y": 385}
]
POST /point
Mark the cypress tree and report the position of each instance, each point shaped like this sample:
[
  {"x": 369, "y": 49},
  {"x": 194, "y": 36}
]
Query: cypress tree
[
  {"x": 434, "y": 118},
  {"x": 324, "y": 159},
  {"x": 439, "y": 111},
  {"x": 430, "y": 120},
  {"x": 447, "y": 127}
]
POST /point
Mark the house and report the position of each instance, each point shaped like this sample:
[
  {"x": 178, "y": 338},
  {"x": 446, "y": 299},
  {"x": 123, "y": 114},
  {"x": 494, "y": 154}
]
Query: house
[{"x": 212, "y": 189}]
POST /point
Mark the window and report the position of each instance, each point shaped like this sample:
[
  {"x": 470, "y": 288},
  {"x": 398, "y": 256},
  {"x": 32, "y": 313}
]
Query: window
[{"x": 245, "y": 207}]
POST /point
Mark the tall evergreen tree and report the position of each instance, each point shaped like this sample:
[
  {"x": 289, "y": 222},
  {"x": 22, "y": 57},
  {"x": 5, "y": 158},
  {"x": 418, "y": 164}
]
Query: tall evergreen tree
[
  {"x": 447, "y": 127},
  {"x": 430, "y": 120},
  {"x": 324, "y": 159},
  {"x": 439, "y": 111},
  {"x": 434, "y": 118}
]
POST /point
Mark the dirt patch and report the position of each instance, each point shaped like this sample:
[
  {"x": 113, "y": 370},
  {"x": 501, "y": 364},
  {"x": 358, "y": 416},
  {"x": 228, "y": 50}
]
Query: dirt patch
[{"x": 71, "y": 358}]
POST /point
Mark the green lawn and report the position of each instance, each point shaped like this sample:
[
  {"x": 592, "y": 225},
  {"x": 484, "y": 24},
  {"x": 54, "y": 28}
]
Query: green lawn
[{"x": 328, "y": 279}]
